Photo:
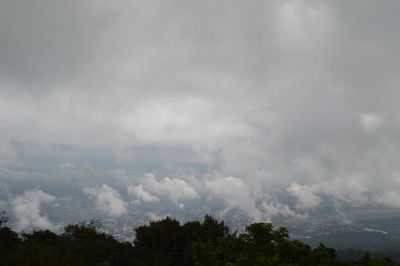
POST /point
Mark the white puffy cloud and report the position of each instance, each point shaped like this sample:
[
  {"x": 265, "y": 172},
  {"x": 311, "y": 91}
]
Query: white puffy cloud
[
  {"x": 305, "y": 196},
  {"x": 107, "y": 200},
  {"x": 175, "y": 189},
  {"x": 142, "y": 194},
  {"x": 238, "y": 195},
  {"x": 235, "y": 193},
  {"x": 155, "y": 217},
  {"x": 275, "y": 208},
  {"x": 351, "y": 191},
  {"x": 26, "y": 209}
]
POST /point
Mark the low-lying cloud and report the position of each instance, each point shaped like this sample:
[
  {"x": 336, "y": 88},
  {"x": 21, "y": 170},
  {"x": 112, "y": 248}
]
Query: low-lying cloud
[
  {"x": 141, "y": 194},
  {"x": 26, "y": 209},
  {"x": 107, "y": 200},
  {"x": 177, "y": 190}
]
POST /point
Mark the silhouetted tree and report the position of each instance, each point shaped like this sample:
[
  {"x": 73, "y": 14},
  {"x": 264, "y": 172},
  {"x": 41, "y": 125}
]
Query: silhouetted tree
[
  {"x": 167, "y": 242},
  {"x": 9, "y": 239}
]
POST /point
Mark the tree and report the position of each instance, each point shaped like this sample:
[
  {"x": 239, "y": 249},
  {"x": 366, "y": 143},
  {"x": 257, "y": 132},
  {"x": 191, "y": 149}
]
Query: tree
[
  {"x": 160, "y": 242},
  {"x": 9, "y": 239},
  {"x": 3, "y": 219},
  {"x": 167, "y": 242},
  {"x": 212, "y": 230}
]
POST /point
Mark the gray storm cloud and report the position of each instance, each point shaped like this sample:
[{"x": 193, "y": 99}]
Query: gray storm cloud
[{"x": 275, "y": 99}]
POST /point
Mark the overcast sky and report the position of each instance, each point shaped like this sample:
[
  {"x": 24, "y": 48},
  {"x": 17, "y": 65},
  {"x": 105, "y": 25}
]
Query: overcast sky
[{"x": 265, "y": 107}]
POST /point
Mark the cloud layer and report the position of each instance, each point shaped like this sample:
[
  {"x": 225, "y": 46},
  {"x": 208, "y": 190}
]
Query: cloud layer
[{"x": 268, "y": 107}]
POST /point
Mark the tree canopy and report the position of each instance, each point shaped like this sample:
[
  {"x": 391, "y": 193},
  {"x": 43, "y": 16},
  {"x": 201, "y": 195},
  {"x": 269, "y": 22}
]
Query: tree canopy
[{"x": 167, "y": 242}]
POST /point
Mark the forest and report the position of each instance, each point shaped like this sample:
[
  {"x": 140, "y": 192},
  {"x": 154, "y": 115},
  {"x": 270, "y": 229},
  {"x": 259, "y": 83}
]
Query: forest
[{"x": 167, "y": 242}]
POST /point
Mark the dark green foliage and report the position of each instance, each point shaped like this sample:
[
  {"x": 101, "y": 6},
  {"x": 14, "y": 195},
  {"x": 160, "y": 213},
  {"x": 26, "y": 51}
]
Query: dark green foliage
[
  {"x": 9, "y": 240},
  {"x": 167, "y": 242},
  {"x": 160, "y": 243},
  {"x": 262, "y": 245},
  {"x": 44, "y": 236},
  {"x": 212, "y": 230}
]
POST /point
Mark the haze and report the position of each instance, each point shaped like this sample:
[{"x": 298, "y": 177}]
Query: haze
[{"x": 260, "y": 108}]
